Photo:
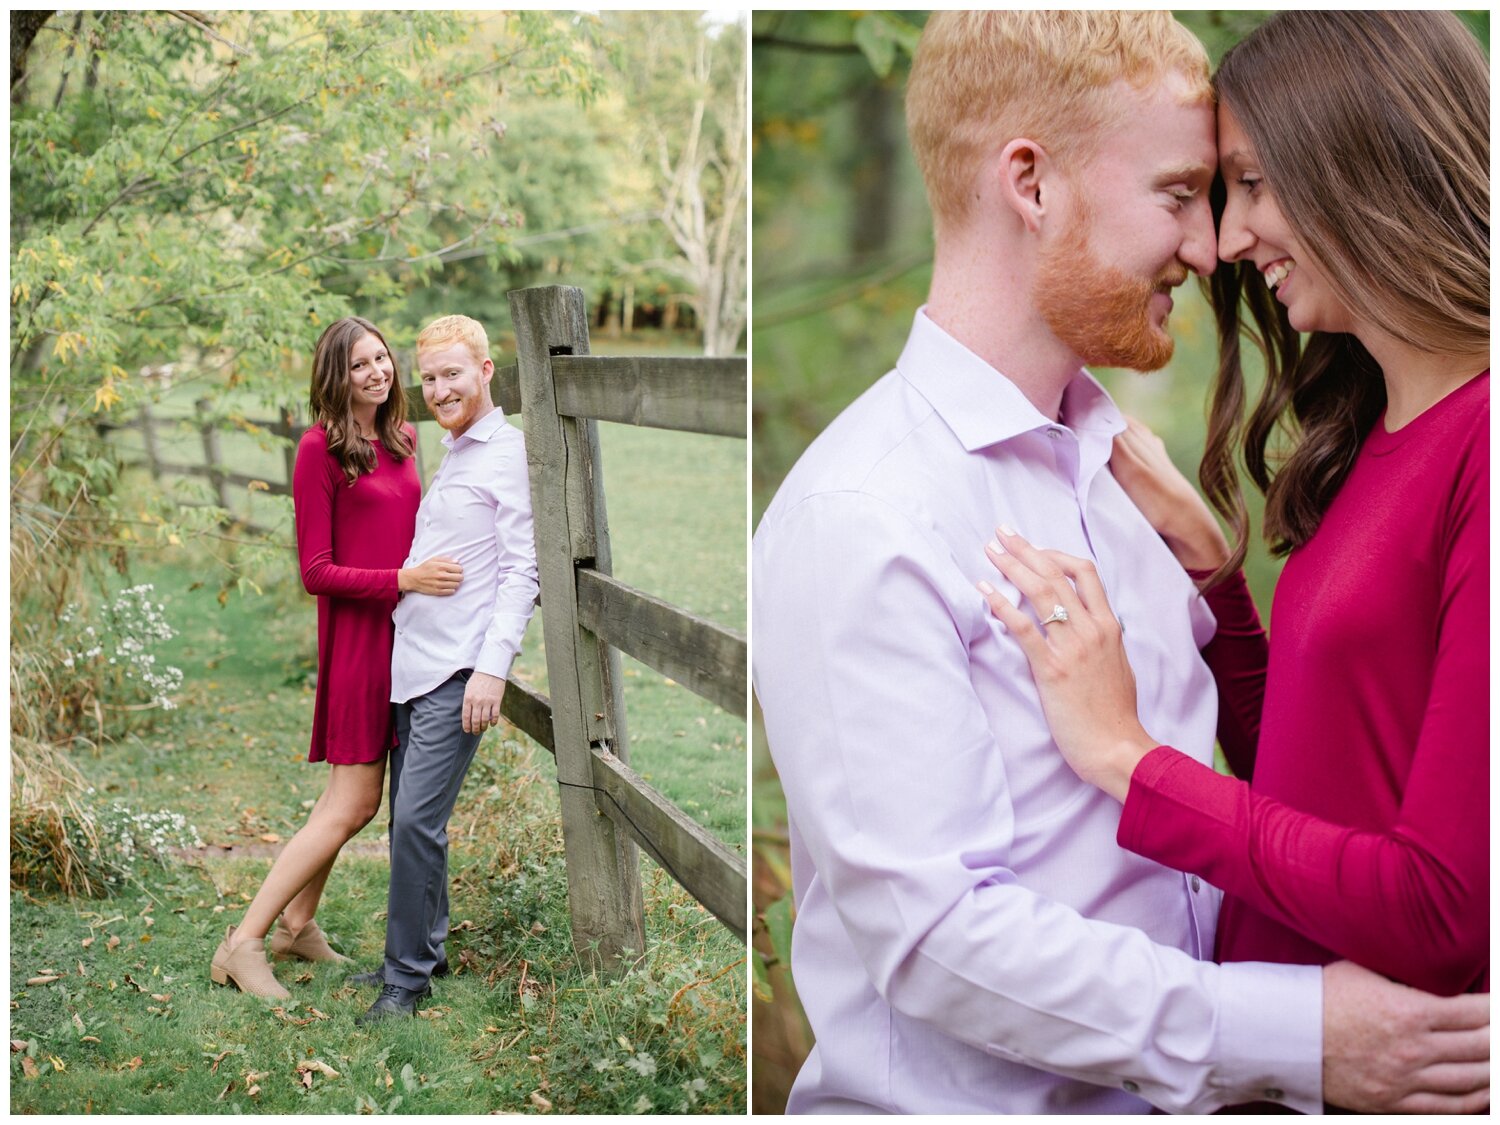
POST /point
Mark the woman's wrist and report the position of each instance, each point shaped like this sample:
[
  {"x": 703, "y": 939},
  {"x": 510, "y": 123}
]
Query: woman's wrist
[
  {"x": 1198, "y": 545},
  {"x": 1120, "y": 766}
]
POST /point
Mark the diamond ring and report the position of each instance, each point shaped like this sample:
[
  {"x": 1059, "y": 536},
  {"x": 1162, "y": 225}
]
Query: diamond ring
[{"x": 1059, "y": 614}]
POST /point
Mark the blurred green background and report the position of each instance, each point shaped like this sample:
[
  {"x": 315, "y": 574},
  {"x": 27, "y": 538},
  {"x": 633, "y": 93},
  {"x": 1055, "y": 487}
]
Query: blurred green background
[{"x": 842, "y": 258}]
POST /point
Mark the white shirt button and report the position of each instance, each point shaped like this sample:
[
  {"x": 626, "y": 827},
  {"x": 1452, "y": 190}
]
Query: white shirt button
[
  {"x": 1197, "y": 886},
  {"x": 1132, "y": 1087},
  {"x": 1054, "y": 432}
]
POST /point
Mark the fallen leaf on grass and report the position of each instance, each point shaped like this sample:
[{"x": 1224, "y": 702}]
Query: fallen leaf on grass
[
  {"x": 88, "y": 941},
  {"x": 432, "y": 1013},
  {"x": 466, "y": 924},
  {"x": 112, "y": 943},
  {"x": 89, "y": 1039},
  {"x": 220, "y": 1057},
  {"x": 46, "y": 979},
  {"x": 307, "y": 1069},
  {"x": 135, "y": 1063},
  {"x": 270, "y": 838},
  {"x": 57, "y": 1063},
  {"x": 313, "y": 1014},
  {"x": 28, "y": 1067},
  {"x": 81, "y": 970},
  {"x": 130, "y": 980},
  {"x": 162, "y": 997},
  {"x": 224, "y": 1093},
  {"x": 252, "y": 1091},
  {"x": 540, "y": 1102},
  {"x": 78, "y": 1021},
  {"x": 18, "y": 1045}
]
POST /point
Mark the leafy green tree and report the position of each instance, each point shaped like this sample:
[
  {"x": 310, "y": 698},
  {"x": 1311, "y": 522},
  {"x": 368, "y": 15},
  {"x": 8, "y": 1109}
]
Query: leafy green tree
[{"x": 684, "y": 78}]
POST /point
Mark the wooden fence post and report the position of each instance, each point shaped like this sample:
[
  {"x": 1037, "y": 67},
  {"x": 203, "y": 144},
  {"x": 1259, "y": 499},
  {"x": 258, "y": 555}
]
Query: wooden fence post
[
  {"x": 148, "y": 435},
  {"x": 288, "y": 429},
  {"x": 211, "y": 452},
  {"x": 583, "y": 673}
]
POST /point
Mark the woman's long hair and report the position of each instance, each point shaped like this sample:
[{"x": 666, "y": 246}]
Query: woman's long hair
[
  {"x": 1372, "y": 130},
  {"x": 329, "y": 401}
]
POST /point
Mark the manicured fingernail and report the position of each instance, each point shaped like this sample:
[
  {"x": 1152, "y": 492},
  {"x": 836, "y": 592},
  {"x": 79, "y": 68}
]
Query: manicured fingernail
[
  {"x": 995, "y": 546},
  {"x": 986, "y": 589},
  {"x": 1004, "y": 530}
]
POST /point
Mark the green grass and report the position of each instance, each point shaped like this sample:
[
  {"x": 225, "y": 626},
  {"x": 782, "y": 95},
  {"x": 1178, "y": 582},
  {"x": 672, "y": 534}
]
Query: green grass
[{"x": 518, "y": 1028}]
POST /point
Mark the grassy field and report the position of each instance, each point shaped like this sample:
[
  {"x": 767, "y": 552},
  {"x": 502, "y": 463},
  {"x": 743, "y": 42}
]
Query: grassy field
[{"x": 129, "y": 1022}]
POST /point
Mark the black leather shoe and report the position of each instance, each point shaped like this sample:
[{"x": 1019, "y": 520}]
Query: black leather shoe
[
  {"x": 394, "y": 1001},
  {"x": 377, "y": 976}
]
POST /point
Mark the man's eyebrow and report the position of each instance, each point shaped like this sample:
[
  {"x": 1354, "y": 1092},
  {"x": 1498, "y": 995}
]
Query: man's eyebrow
[{"x": 1188, "y": 170}]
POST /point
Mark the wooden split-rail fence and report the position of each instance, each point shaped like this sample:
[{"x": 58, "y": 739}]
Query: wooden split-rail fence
[{"x": 588, "y": 616}]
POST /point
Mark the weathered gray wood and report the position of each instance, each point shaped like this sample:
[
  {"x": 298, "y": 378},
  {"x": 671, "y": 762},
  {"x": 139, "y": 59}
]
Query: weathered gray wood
[
  {"x": 710, "y": 871},
  {"x": 211, "y": 452},
  {"x": 505, "y": 388},
  {"x": 289, "y": 427},
  {"x": 148, "y": 434},
  {"x": 530, "y": 711},
  {"x": 701, "y": 395},
  {"x": 567, "y": 501},
  {"x": 697, "y": 653}
]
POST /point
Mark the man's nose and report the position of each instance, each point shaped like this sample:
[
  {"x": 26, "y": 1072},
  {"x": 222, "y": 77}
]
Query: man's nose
[{"x": 1199, "y": 249}]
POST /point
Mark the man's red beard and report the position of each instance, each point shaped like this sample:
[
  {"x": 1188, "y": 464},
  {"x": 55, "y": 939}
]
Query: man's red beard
[{"x": 1100, "y": 312}]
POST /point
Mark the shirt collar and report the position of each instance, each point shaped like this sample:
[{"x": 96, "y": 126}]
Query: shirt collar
[
  {"x": 980, "y": 405},
  {"x": 482, "y": 430}
]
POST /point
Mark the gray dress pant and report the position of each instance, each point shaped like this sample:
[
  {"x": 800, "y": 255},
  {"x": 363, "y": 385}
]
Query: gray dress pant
[{"x": 427, "y": 771}]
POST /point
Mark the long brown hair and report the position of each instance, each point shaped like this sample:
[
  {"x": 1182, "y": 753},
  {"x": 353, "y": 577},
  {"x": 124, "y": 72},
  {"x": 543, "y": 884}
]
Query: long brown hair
[
  {"x": 329, "y": 397},
  {"x": 1372, "y": 130}
]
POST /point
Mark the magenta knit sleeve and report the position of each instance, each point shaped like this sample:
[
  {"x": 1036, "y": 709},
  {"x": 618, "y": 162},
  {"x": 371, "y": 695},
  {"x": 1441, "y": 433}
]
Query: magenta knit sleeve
[
  {"x": 1237, "y": 658},
  {"x": 315, "y": 479},
  {"x": 1411, "y": 901}
]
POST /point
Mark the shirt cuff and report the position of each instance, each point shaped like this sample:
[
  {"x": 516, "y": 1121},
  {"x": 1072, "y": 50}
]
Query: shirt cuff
[
  {"x": 495, "y": 660},
  {"x": 1270, "y": 1035}
]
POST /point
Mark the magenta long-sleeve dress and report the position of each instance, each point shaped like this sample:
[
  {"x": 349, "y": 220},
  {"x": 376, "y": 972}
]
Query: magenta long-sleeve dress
[
  {"x": 1364, "y": 832},
  {"x": 351, "y": 541}
]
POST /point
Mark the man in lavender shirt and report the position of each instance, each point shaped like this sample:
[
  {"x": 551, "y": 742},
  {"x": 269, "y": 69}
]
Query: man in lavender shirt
[
  {"x": 969, "y": 937},
  {"x": 452, "y": 654}
]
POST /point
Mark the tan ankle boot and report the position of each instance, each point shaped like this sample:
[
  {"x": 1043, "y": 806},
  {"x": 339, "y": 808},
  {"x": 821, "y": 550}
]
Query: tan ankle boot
[
  {"x": 246, "y": 967},
  {"x": 306, "y": 944}
]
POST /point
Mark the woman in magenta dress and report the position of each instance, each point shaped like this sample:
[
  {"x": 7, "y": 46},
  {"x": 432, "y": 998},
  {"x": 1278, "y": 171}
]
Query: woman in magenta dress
[
  {"x": 355, "y": 490},
  {"x": 1354, "y": 153}
]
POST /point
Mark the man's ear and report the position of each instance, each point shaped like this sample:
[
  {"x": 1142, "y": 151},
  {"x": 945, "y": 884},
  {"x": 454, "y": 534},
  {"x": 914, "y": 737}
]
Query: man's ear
[
  {"x": 1025, "y": 180},
  {"x": 486, "y": 369}
]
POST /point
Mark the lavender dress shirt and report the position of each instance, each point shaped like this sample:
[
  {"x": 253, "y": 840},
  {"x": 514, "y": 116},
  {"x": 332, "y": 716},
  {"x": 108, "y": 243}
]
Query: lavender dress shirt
[
  {"x": 969, "y": 937},
  {"x": 477, "y": 510}
]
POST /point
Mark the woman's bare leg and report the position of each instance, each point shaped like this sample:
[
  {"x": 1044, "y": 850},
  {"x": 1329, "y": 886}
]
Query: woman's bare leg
[
  {"x": 349, "y": 803},
  {"x": 299, "y": 912}
]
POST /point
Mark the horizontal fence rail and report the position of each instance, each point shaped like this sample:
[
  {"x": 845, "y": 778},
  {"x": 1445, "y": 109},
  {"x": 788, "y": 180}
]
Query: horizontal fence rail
[
  {"x": 697, "y": 653},
  {"x": 699, "y": 395},
  {"x": 707, "y": 870}
]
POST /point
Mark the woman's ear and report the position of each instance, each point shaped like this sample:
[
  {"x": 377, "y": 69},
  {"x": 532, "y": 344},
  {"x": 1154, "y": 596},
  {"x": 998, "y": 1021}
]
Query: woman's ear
[{"x": 1022, "y": 168}]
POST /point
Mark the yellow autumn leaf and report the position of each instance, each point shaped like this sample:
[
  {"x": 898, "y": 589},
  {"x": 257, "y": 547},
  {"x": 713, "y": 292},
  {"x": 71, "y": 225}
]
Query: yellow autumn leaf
[
  {"x": 105, "y": 396},
  {"x": 151, "y": 113}
]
